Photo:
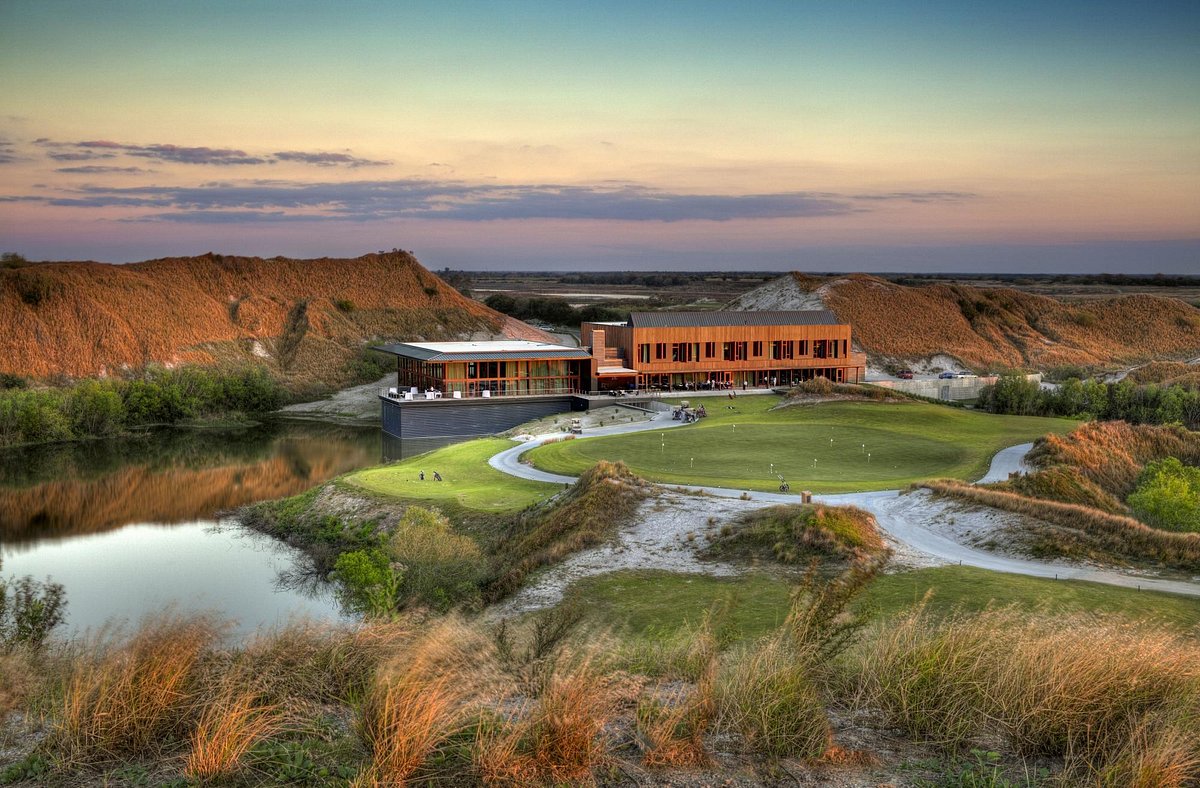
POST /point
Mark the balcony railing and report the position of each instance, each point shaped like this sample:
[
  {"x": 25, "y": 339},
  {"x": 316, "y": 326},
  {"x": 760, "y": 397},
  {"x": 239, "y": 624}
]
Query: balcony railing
[{"x": 407, "y": 395}]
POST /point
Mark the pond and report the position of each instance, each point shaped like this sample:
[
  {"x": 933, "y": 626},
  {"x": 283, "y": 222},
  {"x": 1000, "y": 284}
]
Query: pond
[{"x": 137, "y": 525}]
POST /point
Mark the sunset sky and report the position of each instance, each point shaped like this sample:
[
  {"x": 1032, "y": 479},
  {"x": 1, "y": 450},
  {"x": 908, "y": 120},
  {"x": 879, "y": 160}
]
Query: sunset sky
[{"x": 957, "y": 136}]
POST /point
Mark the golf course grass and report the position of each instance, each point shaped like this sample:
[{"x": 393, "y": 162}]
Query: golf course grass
[
  {"x": 827, "y": 448},
  {"x": 467, "y": 479},
  {"x": 650, "y": 602}
]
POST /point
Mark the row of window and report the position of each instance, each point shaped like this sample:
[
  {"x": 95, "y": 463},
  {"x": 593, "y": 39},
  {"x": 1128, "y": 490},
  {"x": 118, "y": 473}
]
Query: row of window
[{"x": 779, "y": 349}]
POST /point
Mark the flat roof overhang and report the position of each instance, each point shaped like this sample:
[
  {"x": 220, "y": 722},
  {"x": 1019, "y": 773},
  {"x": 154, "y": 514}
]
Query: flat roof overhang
[{"x": 615, "y": 372}]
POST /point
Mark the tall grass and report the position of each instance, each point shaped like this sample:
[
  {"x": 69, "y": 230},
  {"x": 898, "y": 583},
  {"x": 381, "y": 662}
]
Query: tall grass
[
  {"x": 419, "y": 700},
  {"x": 1120, "y": 704},
  {"x": 127, "y": 701},
  {"x": 768, "y": 696},
  {"x": 228, "y": 727},
  {"x": 560, "y": 737}
]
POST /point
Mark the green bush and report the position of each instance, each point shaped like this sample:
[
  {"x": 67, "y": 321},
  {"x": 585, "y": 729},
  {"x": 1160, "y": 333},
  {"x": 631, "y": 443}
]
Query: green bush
[
  {"x": 1168, "y": 496},
  {"x": 370, "y": 582},
  {"x": 441, "y": 567},
  {"x": 29, "y": 610}
]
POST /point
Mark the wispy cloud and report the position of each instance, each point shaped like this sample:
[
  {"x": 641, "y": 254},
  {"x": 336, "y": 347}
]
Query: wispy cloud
[
  {"x": 178, "y": 153},
  {"x": 99, "y": 169},
  {"x": 8, "y": 152},
  {"x": 87, "y": 150},
  {"x": 283, "y": 200},
  {"x": 321, "y": 159}
]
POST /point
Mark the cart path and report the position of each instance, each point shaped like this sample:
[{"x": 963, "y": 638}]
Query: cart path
[{"x": 906, "y": 518}]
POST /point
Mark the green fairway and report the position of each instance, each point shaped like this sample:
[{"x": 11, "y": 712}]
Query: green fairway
[
  {"x": 466, "y": 478},
  {"x": 656, "y": 602},
  {"x": 826, "y": 448}
]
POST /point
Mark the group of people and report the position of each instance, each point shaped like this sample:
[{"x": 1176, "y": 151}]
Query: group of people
[
  {"x": 688, "y": 416},
  {"x": 437, "y": 477}
]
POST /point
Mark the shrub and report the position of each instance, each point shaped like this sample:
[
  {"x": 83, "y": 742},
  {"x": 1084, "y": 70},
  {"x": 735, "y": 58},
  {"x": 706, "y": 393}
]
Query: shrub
[
  {"x": 344, "y": 305},
  {"x": 369, "y": 581},
  {"x": 29, "y": 611},
  {"x": 440, "y": 567},
  {"x": 1168, "y": 496}
]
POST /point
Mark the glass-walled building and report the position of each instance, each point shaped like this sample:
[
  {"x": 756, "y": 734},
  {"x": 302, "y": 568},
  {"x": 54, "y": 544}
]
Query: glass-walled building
[{"x": 489, "y": 369}]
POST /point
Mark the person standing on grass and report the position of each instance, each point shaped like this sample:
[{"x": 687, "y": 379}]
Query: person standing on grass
[
  {"x": 421, "y": 476},
  {"x": 437, "y": 477}
]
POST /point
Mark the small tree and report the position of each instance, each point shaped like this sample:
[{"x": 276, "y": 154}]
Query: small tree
[{"x": 29, "y": 610}]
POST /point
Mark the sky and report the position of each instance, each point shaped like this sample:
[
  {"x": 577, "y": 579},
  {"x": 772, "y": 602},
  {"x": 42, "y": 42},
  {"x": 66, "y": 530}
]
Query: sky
[{"x": 879, "y": 136}]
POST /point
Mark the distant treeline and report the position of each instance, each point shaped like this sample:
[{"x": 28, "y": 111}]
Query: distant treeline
[
  {"x": 554, "y": 311},
  {"x": 1115, "y": 280},
  {"x": 1090, "y": 399},
  {"x": 95, "y": 408}
]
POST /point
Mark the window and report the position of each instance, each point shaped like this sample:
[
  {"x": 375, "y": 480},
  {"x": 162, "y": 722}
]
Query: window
[
  {"x": 802, "y": 347},
  {"x": 782, "y": 348},
  {"x": 820, "y": 348},
  {"x": 710, "y": 349},
  {"x": 660, "y": 351},
  {"x": 758, "y": 349},
  {"x": 644, "y": 353},
  {"x": 683, "y": 352},
  {"x": 734, "y": 351}
]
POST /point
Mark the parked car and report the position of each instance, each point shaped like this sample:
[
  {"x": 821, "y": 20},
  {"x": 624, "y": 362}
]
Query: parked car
[
  {"x": 946, "y": 375},
  {"x": 905, "y": 374},
  {"x": 965, "y": 375}
]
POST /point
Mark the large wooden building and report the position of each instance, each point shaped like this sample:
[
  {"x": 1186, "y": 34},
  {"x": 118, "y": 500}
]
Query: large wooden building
[
  {"x": 687, "y": 350},
  {"x": 461, "y": 389}
]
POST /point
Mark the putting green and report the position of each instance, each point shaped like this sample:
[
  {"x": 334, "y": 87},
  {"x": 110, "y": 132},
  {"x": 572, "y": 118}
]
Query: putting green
[
  {"x": 829, "y": 447},
  {"x": 467, "y": 479}
]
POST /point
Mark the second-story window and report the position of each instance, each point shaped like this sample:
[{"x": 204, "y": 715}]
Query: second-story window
[{"x": 757, "y": 349}]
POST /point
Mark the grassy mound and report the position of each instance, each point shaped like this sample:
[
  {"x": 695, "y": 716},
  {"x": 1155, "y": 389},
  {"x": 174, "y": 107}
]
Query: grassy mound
[
  {"x": 798, "y": 534},
  {"x": 1111, "y": 454},
  {"x": 828, "y": 447},
  {"x": 605, "y": 498},
  {"x": 1083, "y": 532},
  {"x": 1076, "y": 500}
]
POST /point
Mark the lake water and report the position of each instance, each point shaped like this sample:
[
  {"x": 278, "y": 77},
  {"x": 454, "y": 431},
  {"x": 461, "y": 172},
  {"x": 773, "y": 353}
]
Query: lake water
[{"x": 132, "y": 526}]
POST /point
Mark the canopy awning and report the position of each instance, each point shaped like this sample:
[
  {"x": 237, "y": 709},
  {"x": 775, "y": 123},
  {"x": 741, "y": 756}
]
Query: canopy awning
[{"x": 604, "y": 372}]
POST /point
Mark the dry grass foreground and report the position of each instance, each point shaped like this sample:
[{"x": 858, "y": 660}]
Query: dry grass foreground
[
  {"x": 304, "y": 317},
  {"x": 1095, "y": 701},
  {"x": 1002, "y": 327}
]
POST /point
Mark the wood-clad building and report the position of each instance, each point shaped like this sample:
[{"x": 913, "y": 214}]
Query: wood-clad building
[{"x": 683, "y": 350}]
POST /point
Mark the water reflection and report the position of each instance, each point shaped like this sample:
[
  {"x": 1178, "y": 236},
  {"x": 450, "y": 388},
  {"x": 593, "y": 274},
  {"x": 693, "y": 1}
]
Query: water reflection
[{"x": 168, "y": 476}]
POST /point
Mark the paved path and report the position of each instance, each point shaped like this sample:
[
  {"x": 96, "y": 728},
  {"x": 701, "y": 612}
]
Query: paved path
[{"x": 904, "y": 517}]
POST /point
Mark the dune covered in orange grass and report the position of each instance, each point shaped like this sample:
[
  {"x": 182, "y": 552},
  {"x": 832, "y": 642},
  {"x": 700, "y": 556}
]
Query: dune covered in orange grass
[
  {"x": 991, "y": 327},
  {"x": 304, "y": 318}
]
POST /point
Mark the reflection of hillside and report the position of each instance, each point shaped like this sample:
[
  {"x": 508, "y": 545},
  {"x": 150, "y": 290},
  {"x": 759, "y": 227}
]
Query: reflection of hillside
[{"x": 175, "y": 482}]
